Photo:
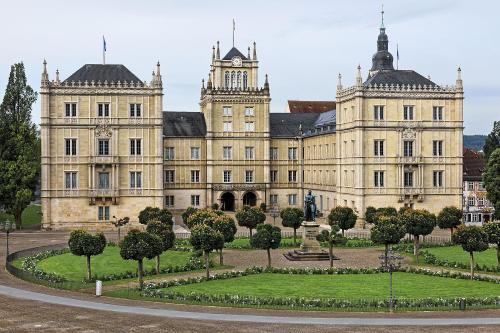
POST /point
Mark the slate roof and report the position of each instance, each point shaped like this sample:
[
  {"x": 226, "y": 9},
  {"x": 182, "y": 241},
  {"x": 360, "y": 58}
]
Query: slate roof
[
  {"x": 398, "y": 77},
  {"x": 184, "y": 124},
  {"x": 310, "y": 106},
  {"x": 234, "y": 52},
  {"x": 474, "y": 165},
  {"x": 326, "y": 118},
  {"x": 286, "y": 125},
  {"x": 99, "y": 72}
]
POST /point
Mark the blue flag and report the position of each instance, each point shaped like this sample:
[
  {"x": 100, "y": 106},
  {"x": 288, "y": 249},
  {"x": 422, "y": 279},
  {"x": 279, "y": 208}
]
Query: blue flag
[{"x": 104, "y": 44}]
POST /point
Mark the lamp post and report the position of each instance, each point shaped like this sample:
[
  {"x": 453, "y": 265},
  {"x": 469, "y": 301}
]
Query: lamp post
[
  {"x": 119, "y": 223},
  {"x": 7, "y": 228},
  {"x": 391, "y": 263},
  {"x": 275, "y": 212}
]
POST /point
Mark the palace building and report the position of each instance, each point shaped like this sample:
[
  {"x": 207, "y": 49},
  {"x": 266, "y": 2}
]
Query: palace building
[{"x": 108, "y": 148}]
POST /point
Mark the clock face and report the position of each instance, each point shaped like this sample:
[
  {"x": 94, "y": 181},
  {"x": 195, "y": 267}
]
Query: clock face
[{"x": 236, "y": 61}]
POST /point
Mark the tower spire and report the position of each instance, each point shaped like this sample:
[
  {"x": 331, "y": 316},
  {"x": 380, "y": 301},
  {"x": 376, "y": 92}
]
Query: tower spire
[
  {"x": 45, "y": 75},
  {"x": 254, "y": 51},
  {"x": 213, "y": 53},
  {"x": 382, "y": 12},
  {"x": 217, "y": 54}
]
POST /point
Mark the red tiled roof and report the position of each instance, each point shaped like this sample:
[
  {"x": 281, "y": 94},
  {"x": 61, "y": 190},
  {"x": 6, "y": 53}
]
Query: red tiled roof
[
  {"x": 311, "y": 106},
  {"x": 474, "y": 165}
]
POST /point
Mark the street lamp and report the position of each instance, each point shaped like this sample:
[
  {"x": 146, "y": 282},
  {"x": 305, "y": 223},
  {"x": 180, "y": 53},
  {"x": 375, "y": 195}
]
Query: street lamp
[
  {"x": 7, "y": 227},
  {"x": 275, "y": 212},
  {"x": 391, "y": 263},
  {"x": 119, "y": 223}
]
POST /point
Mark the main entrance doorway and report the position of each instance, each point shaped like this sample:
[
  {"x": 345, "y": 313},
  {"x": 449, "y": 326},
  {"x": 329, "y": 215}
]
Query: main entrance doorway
[
  {"x": 227, "y": 201},
  {"x": 249, "y": 199}
]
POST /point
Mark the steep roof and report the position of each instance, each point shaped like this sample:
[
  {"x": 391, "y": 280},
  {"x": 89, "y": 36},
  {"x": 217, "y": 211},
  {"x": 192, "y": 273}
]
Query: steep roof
[
  {"x": 395, "y": 77},
  {"x": 99, "y": 72},
  {"x": 234, "y": 52},
  {"x": 310, "y": 106},
  {"x": 187, "y": 124},
  {"x": 286, "y": 125},
  {"x": 474, "y": 165}
]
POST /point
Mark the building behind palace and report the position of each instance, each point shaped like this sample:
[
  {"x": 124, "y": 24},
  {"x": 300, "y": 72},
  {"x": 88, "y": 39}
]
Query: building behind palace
[{"x": 108, "y": 148}]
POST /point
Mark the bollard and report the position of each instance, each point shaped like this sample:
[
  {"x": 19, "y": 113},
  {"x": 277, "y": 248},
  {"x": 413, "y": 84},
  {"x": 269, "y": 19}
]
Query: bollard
[
  {"x": 98, "y": 288},
  {"x": 461, "y": 304}
]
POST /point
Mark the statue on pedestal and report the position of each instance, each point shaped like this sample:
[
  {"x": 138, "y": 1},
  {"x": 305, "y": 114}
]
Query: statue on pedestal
[{"x": 309, "y": 207}]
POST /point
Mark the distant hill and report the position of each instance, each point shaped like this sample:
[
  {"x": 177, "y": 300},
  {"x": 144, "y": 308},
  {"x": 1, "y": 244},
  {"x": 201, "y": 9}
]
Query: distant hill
[{"x": 475, "y": 142}]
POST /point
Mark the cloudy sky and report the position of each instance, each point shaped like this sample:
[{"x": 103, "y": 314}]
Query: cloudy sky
[{"x": 302, "y": 45}]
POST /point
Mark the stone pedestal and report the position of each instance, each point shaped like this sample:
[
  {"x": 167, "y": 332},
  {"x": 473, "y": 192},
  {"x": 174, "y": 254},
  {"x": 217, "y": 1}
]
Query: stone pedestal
[{"x": 309, "y": 242}]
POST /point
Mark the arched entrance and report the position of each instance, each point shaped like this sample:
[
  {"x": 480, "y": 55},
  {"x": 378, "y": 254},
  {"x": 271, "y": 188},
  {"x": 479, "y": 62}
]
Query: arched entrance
[
  {"x": 227, "y": 201},
  {"x": 249, "y": 199}
]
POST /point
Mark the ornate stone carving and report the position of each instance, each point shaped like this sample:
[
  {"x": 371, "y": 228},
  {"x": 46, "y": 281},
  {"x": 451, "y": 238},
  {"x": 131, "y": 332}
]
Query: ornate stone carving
[
  {"x": 103, "y": 130},
  {"x": 237, "y": 187},
  {"x": 409, "y": 133}
]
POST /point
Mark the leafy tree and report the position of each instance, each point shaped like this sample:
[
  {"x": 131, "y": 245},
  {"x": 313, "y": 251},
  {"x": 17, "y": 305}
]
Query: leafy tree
[
  {"x": 491, "y": 179},
  {"x": 81, "y": 243},
  {"x": 266, "y": 238},
  {"x": 388, "y": 211},
  {"x": 418, "y": 223},
  {"x": 206, "y": 239},
  {"x": 187, "y": 213},
  {"x": 250, "y": 217},
  {"x": 157, "y": 214},
  {"x": 120, "y": 223},
  {"x": 19, "y": 145},
  {"x": 472, "y": 239},
  {"x": 165, "y": 233},
  {"x": 388, "y": 230},
  {"x": 370, "y": 214},
  {"x": 344, "y": 217},
  {"x": 227, "y": 227},
  {"x": 331, "y": 237},
  {"x": 492, "y": 140},
  {"x": 215, "y": 206},
  {"x": 449, "y": 217},
  {"x": 202, "y": 216},
  {"x": 292, "y": 218},
  {"x": 492, "y": 229},
  {"x": 137, "y": 245}
]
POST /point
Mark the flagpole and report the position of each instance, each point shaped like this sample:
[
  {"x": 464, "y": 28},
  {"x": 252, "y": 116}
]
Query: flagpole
[
  {"x": 397, "y": 56},
  {"x": 233, "y": 31},
  {"x": 103, "y": 51}
]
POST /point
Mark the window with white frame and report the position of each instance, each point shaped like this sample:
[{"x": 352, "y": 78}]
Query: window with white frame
[
  {"x": 378, "y": 147},
  {"x": 195, "y": 153},
  {"x": 135, "y": 179},
  {"x": 135, "y": 146},
  {"x": 169, "y": 201},
  {"x": 437, "y": 113},
  {"x": 227, "y": 111},
  {"x": 292, "y": 153},
  {"x": 273, "y": 199},
  {"x": 408, "y": 178},
  {"x": 103, "y": 213},
  {"x": 480, "y": 201},
  {"x": 274, "y": 153},
  {"x": 226, "y": 176},
  {"x": 437, "y": 178},
  {"x": 70, "y": 147},
  {"x": 480, "y": 186},
  {"x": 292, "y": 199},
  {"x": 70, "y": 179},
  {"x": 169, "y": 153},
  {"x": 70, "y": 109},
  {"x": 378, "y": 112},
  {"x": 249, "y": 111},
  {"x": 103, "y": 147},
  {"x": 195, "y": 176},
  {"x": 378, "y": 179},
  {"x": 292, "y": 176},
  {"x": 249, "y": 153},
  {"x": 470, "y": 186},
  {"x": 274, "y": 176},
  {"x": 408, "y": 112},
  {"x": 475, "y": 217},
  {"x": 249, "y": 126},
  {"x": 195, "y": 200},
  {"x": 169, "y": 176},
  {"x": 407, "y": 148},
  {"x": 248, "y": 176},
  {"x": 103, "y": 110},
  {"x": 471, "y": 201},
  {"x": 228, "y": 126},
  {"x": 135, "y": 110},
  {"x": 437, "y": 148},
  {"x": 103, "y": 180},
  {"x": 227, "y": 153}
]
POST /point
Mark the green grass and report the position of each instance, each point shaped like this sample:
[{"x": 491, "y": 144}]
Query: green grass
[
  {"x": 457, "y": 254},
  {"x": 349, "y": 286},
  {"x": 32, "y": 216},
  {"x": 244, "y": 243}
]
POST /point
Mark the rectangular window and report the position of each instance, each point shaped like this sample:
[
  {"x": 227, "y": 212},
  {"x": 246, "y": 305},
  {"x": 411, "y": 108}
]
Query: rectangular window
[
  {"x": 103, "y": 110},
  {"x": 70, "y": 178},
  {"x": 248, "y": 176},
  {"x": 70, "y": 110},
  {"x": 437, "y": 113},
  {"x": 470, "y": 186},
  {"x": 292, "y": 176},
  {"x": 480, "y": 186},
  {"x": 135, "y": 110},
  {"x": 227, "y": 176},
  {"x": 292, "y": 153},
  {"x": 103, "y": 180},
  {"x": 480, "y": 202},
  {"x": 437, "y": 178},
  {"x": 227, "y": 111},
  {"x": 103, "y": 213},
  {"x": 169, "y": 176},
  {"x": 195, "y": 200},
  {"x": 103, "y": 147},
  {"x": 169, "y": 153},
  {"x": 274, "y": 176},
  {"x": 408, "y": 181},
  {"x": 273, "y": 198},
  {"x": 249, "y": 153},
  {"x": 274, "y": 153},
  {"x": 70, "y": 147},
  {"x": 378, "y": 112},
  {"x": 408, "y": 112},
  {"x": 135, "y": 179},
  {"x": 195, "y": 153},
  {"x": 292, "y": 199},
  {"x": 249, "y": 126},
  {"x": 169, "y": 201},
  {"x": 407, "y": 148},
  {"x": 437, "y": 148},
  {"x": 227, "y": 153},
  {"x": 471, "y": 201},
  {"x": 249, "y": 111},
  {"x": 378, "y": 177},
  {"x": 378, "y": 147},
  {"x": 135, "y": 146},
  {"x": 195, "y": 176},
  {"x": 228, "y": 126}
]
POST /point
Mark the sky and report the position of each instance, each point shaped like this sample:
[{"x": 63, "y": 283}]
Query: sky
[{"x": 302, "y": 45}]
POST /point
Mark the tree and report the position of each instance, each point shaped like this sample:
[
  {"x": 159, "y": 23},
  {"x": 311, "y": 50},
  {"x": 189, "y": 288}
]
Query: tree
[
  {"x": 449, "y": 217},
  {"x": 118, "y": 223},
  {"x": 206, "y": 239},
  {"x": 81, "y": 243},
  {"x": 166, "y": 235},
  {"x": 370, "y": 214},
  {"x": 19, "y": 145},
  {"x": 266, "y": 238},
  {"x": 344, "y": 217},
  {"x": 492, "y": 229},
  {"x": 472, "y": 239},
  {"x": 491, "y": 179},
  {"x": 331, "y": 237},
  {"x": 137, "y": 245},
  {"x": 418, "y": 223},
  {"x": 202, "y": 216},
  {"x": 250, "y": 217},
  {"x": 187, "y": 213},
  {"x": 157, "y": 214},
  {"x": 227, "y": 227},
  {"x": 388, "y": 230},
  {"x": 492, "y": 141},
  {"x": 292, "y": 218}
]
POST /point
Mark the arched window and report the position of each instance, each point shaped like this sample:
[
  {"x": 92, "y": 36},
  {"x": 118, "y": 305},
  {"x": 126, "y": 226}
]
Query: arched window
[
  {"x": 227, "y": 81},
  {"x": 245, "y": 80},
  {"x": 238, "y": 79},
  {"x": 233, "y": 79}
]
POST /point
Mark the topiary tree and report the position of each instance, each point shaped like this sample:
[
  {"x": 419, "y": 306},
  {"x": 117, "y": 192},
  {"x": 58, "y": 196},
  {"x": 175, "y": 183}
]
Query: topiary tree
[
  {"x": 388, "y": 211},
  {"x": 266, "y": 238},
  {"x": 137, "y": 245},
  {"x": 206, "y": 239},
  {"x": 187, "y": 213},
  {"x": 472, "y": 239},
  {"x": 331, "y": 237},
  {"x": 344, "y": 217},
  {"x": 449, "y": 217},
  {"x": 491, "y": 179},
  {"x": 202, "y": 216},
  {"x": 227, "y": 227},
  {"x": 250, "y": 217},
  {"x": 388, "y": 230},
  {"x": 370, "y": 214},
  {"x": 292, "y": 218},
  {"x": 418, "y": 223},
  {"x": 492, "y": 229},
  {"x": 81, "y": 243},
  {"x": 155, "y": 213},
  {"x": 165, "y": 233}
]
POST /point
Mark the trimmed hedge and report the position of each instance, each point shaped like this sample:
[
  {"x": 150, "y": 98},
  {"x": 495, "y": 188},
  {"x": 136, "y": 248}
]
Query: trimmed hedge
[{"x": 431, "y": 259}]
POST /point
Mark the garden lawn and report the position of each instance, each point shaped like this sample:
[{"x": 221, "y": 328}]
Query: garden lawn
[
  {"x": 74, "y": 268},
  {"x": 457, "y": 254},
  {"x": 348, "y": 286},
  {"x": 244, "y": 243},
  {"x": 31, "y": 216}
]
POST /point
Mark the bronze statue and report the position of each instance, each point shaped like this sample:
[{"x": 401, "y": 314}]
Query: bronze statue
[{"x": 309, "y": 207}]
